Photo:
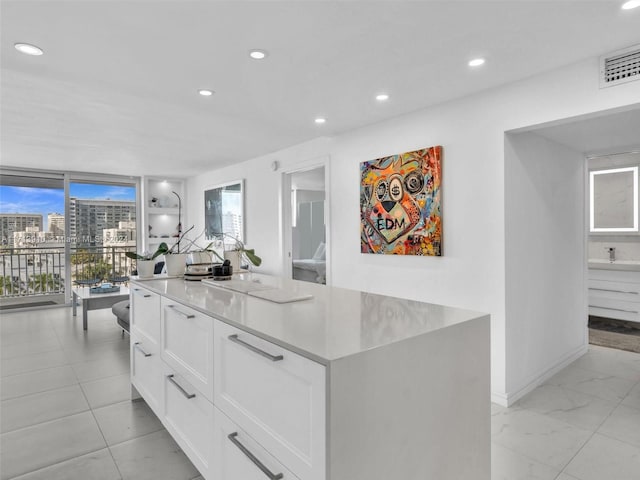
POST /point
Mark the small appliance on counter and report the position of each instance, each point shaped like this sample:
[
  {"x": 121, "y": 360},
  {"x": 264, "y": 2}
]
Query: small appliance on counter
[
  {"x": 223, "y": 272},
  {"x": 199, "y": 266}
]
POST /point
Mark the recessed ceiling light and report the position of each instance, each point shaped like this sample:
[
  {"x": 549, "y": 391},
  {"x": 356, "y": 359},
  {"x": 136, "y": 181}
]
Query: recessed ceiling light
[
  {"x": 382, "y": 97},
  {"x": 476, "y": 62},
  {"x": 320, "y": 120},
  {"x": 631, "y": 4},
  {"x": 205, "y": 93},
  {"x": 28, "y": 49},
  {"x": 258, "y": 54}
]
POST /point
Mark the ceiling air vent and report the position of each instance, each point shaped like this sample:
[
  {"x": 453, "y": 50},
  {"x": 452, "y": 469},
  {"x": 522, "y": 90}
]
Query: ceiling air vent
[{"x": 620, "y": 67}]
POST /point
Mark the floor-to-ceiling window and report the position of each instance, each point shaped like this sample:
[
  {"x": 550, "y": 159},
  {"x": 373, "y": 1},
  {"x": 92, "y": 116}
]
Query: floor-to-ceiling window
[{"x": 59, "y": 231}]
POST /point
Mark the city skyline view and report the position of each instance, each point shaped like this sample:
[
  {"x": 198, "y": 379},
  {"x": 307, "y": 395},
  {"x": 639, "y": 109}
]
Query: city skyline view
[{"x": 42, "y": 201}]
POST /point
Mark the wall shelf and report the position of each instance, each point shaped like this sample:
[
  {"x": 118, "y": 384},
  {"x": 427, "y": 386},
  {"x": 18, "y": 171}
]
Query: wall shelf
[{"x": 163, "y": 218}]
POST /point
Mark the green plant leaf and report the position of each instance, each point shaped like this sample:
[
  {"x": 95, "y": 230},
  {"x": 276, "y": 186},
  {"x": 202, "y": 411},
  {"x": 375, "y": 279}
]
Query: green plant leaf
[
  {"x": 253, "y": 258},
  {"x": 162, "y": 249},
  {"x": 134, "y": 255}
]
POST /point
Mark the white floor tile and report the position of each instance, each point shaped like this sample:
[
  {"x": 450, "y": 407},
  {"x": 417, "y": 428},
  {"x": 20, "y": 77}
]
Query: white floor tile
[
  {"x": 617, "y": 363},
  {"x": 123, "y": 421},
  {"x": 107, "y": 391},
  {"x": 38, "y": 381},
  {"x": 623, "y": 425},
  {"x": 153, "y": 457},
  {"x": 539, "y": 437},
  {"x": 21, "y": 349},
  {"x": 31, "y": 363},
  {"x": 509, "y": 465},
  {"x": 633, "y": 398},
  {"x": 602, "y": 385},
  {"x": 42, "y": 407},
  {"x": 45, "y": 444},
  {"x": 564, "y": 476},
  {"x": 97, "y": 369},
  {"x": 604, "y": 458},
  {"x": 577, "y": 408},
  {"x": 92, "y": 466}
]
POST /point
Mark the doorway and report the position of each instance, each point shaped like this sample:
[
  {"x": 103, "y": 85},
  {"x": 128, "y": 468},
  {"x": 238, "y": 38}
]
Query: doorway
[{"x": 305, "y": 226}]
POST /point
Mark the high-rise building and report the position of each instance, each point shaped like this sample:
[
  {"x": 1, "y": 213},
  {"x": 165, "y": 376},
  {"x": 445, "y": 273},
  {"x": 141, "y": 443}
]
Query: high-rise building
[
  {"x": 17, "y": 222},
  {"x": 88, "y": 218},
  {"x": 55, "y": 223}
]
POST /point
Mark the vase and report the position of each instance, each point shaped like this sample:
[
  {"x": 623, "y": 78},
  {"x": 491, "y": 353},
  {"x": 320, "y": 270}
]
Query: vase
[
  {"x": 234, "y": 257},
  {"x": 145, "y": 268},
  {"x": 176, "y": 264}
]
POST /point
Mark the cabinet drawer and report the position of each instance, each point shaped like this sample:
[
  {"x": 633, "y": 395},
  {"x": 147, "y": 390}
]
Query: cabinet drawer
[
  {"x": 618, "y": 290},
  {"x": 238, "y": 456},
  {"x": 187, "y": 344},
  {"x": 145, "y": 314},
  {"x": 188, "y": 416},
  {"x": 276, "y": 396},
  {"x": 617, "y": 309},
  {"x": 146, "y": 373}
]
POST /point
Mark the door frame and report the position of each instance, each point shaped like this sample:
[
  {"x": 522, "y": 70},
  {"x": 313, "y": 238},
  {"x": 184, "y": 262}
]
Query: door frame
[{"x": 286, "y": 240}]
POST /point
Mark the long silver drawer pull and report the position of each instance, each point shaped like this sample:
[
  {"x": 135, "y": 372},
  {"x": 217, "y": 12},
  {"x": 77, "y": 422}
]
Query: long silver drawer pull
[
  {"x": 146, "y": 295},
  {"x": 273, "y": 358},
  {"x": 609, "y": 290},
  {"x": 252, "y": 457},
  {"x": 182, "y": 390},
  {"x": 186, "y": 315},
  {"x": 138, "y": 347},
  {"x": 613, "y": 308}
]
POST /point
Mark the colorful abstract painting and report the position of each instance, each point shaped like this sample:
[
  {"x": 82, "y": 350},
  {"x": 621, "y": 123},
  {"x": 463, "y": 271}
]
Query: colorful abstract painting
[{"x": 400, "y": 204}]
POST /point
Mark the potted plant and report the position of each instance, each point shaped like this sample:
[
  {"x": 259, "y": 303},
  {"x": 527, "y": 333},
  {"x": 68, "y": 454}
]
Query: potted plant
[
  {"x": 146, "y": 261},
  {"x": 236, "y": 253},
  {"x": 176, "y": 260}
]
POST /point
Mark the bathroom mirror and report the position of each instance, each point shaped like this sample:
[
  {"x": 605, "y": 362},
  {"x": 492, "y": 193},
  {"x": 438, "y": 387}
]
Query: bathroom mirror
[{"x": 614, "y": 200}]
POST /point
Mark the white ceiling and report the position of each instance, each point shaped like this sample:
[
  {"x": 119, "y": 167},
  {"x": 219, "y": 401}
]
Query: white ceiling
[{"x": 116, "y": 89}]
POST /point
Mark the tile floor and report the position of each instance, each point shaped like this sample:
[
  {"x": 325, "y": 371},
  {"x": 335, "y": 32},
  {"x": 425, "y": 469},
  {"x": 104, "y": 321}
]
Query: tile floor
[{"x": 66, "y": 415}]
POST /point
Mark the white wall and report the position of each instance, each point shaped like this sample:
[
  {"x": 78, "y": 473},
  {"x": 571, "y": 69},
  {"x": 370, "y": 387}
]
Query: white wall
[
  {"x": 471, "y": 274},
  {"x": 546, "y": 293}
]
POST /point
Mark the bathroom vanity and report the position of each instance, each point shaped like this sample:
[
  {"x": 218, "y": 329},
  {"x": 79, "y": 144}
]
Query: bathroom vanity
[
  {"x": 344, "y": 385},
  {"x": 614, "y": 289}
]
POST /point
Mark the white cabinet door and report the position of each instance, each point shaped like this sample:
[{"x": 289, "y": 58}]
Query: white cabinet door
[
  {"x": 239, "y": 457},
  {"x": 146, "y": 372},
  {"x": 276, "y": 396},
  {"x": 187, "y": 344},
  {"x": 188, "y": 416},
  {"x": 145, "y": 316}
]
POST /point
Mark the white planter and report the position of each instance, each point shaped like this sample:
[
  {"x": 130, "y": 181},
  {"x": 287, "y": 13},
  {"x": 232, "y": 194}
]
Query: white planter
[
  {"x": 176, "y": 263},
  {"x": 234, "y": 257},
  {"x": 145, "y": 268}
]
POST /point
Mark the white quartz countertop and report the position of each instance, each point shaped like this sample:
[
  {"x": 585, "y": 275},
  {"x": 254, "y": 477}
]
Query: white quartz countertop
[{"x": 335, "y": 323}]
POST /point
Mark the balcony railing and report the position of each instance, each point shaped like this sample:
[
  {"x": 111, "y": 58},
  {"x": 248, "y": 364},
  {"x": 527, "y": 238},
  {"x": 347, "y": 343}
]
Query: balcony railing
[{"x": 41, "y": 270}]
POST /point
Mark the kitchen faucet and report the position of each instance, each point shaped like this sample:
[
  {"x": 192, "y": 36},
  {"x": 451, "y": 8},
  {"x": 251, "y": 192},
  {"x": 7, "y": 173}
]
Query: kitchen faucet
[{"x": 612, "y": 254}]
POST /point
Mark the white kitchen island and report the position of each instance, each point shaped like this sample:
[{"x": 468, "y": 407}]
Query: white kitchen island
[{"x": 345, "y": 385}]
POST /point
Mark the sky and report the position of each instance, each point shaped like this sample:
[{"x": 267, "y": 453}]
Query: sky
[{"x": 51, "y": 200}]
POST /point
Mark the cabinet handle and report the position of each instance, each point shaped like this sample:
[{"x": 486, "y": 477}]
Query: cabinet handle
[
  {"x": 146, "y": 295},
  {"x": 185, "y": 315},
  {"x": 615, "y": 291},
  {"x": 252, "y": 457},
  {"x": 182, "y": 390},
  {"x": 612, "y": 308},
  {"x": 273, "y": 358},
  {"x": 138, "y": 347}
]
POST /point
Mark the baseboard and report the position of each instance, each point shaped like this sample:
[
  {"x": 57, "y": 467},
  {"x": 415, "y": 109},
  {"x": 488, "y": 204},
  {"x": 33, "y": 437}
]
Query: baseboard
[{"x": 510, "y": 398}]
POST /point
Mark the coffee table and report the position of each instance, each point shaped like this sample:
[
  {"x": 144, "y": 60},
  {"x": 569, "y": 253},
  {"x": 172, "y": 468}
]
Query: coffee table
[{"x": 95, "y": 301}]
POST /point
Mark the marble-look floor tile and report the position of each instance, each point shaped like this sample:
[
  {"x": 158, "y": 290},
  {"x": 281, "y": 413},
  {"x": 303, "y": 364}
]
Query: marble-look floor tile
[
  {"x": 123, "y": 421},
  {"x": 92, "y": 466},
  {"x": 564, "y": 476},
  {"x": 41, "y": 407},
  {"x": 94, "y": 370},
  {"x": 31, "y": 363},
  {"x": 633, "y": 398},
  {"x": 107, "y": 391},
  {"x": 38, "y": 381},
  {"x": 509, "y": 465},
  {"x": 153, "y": 457},
  {"x": 604, "y": 458},
  {"x": 623, "y": 425},
  {"x": 21, "y": 349},
  {"x": 539, "y": 437},
  {"x": 605, "y": 386},
  {"x": 577, "y": 408},
  {"x": 617, "y": 363},
  {"x": 45, "y": 444}
]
